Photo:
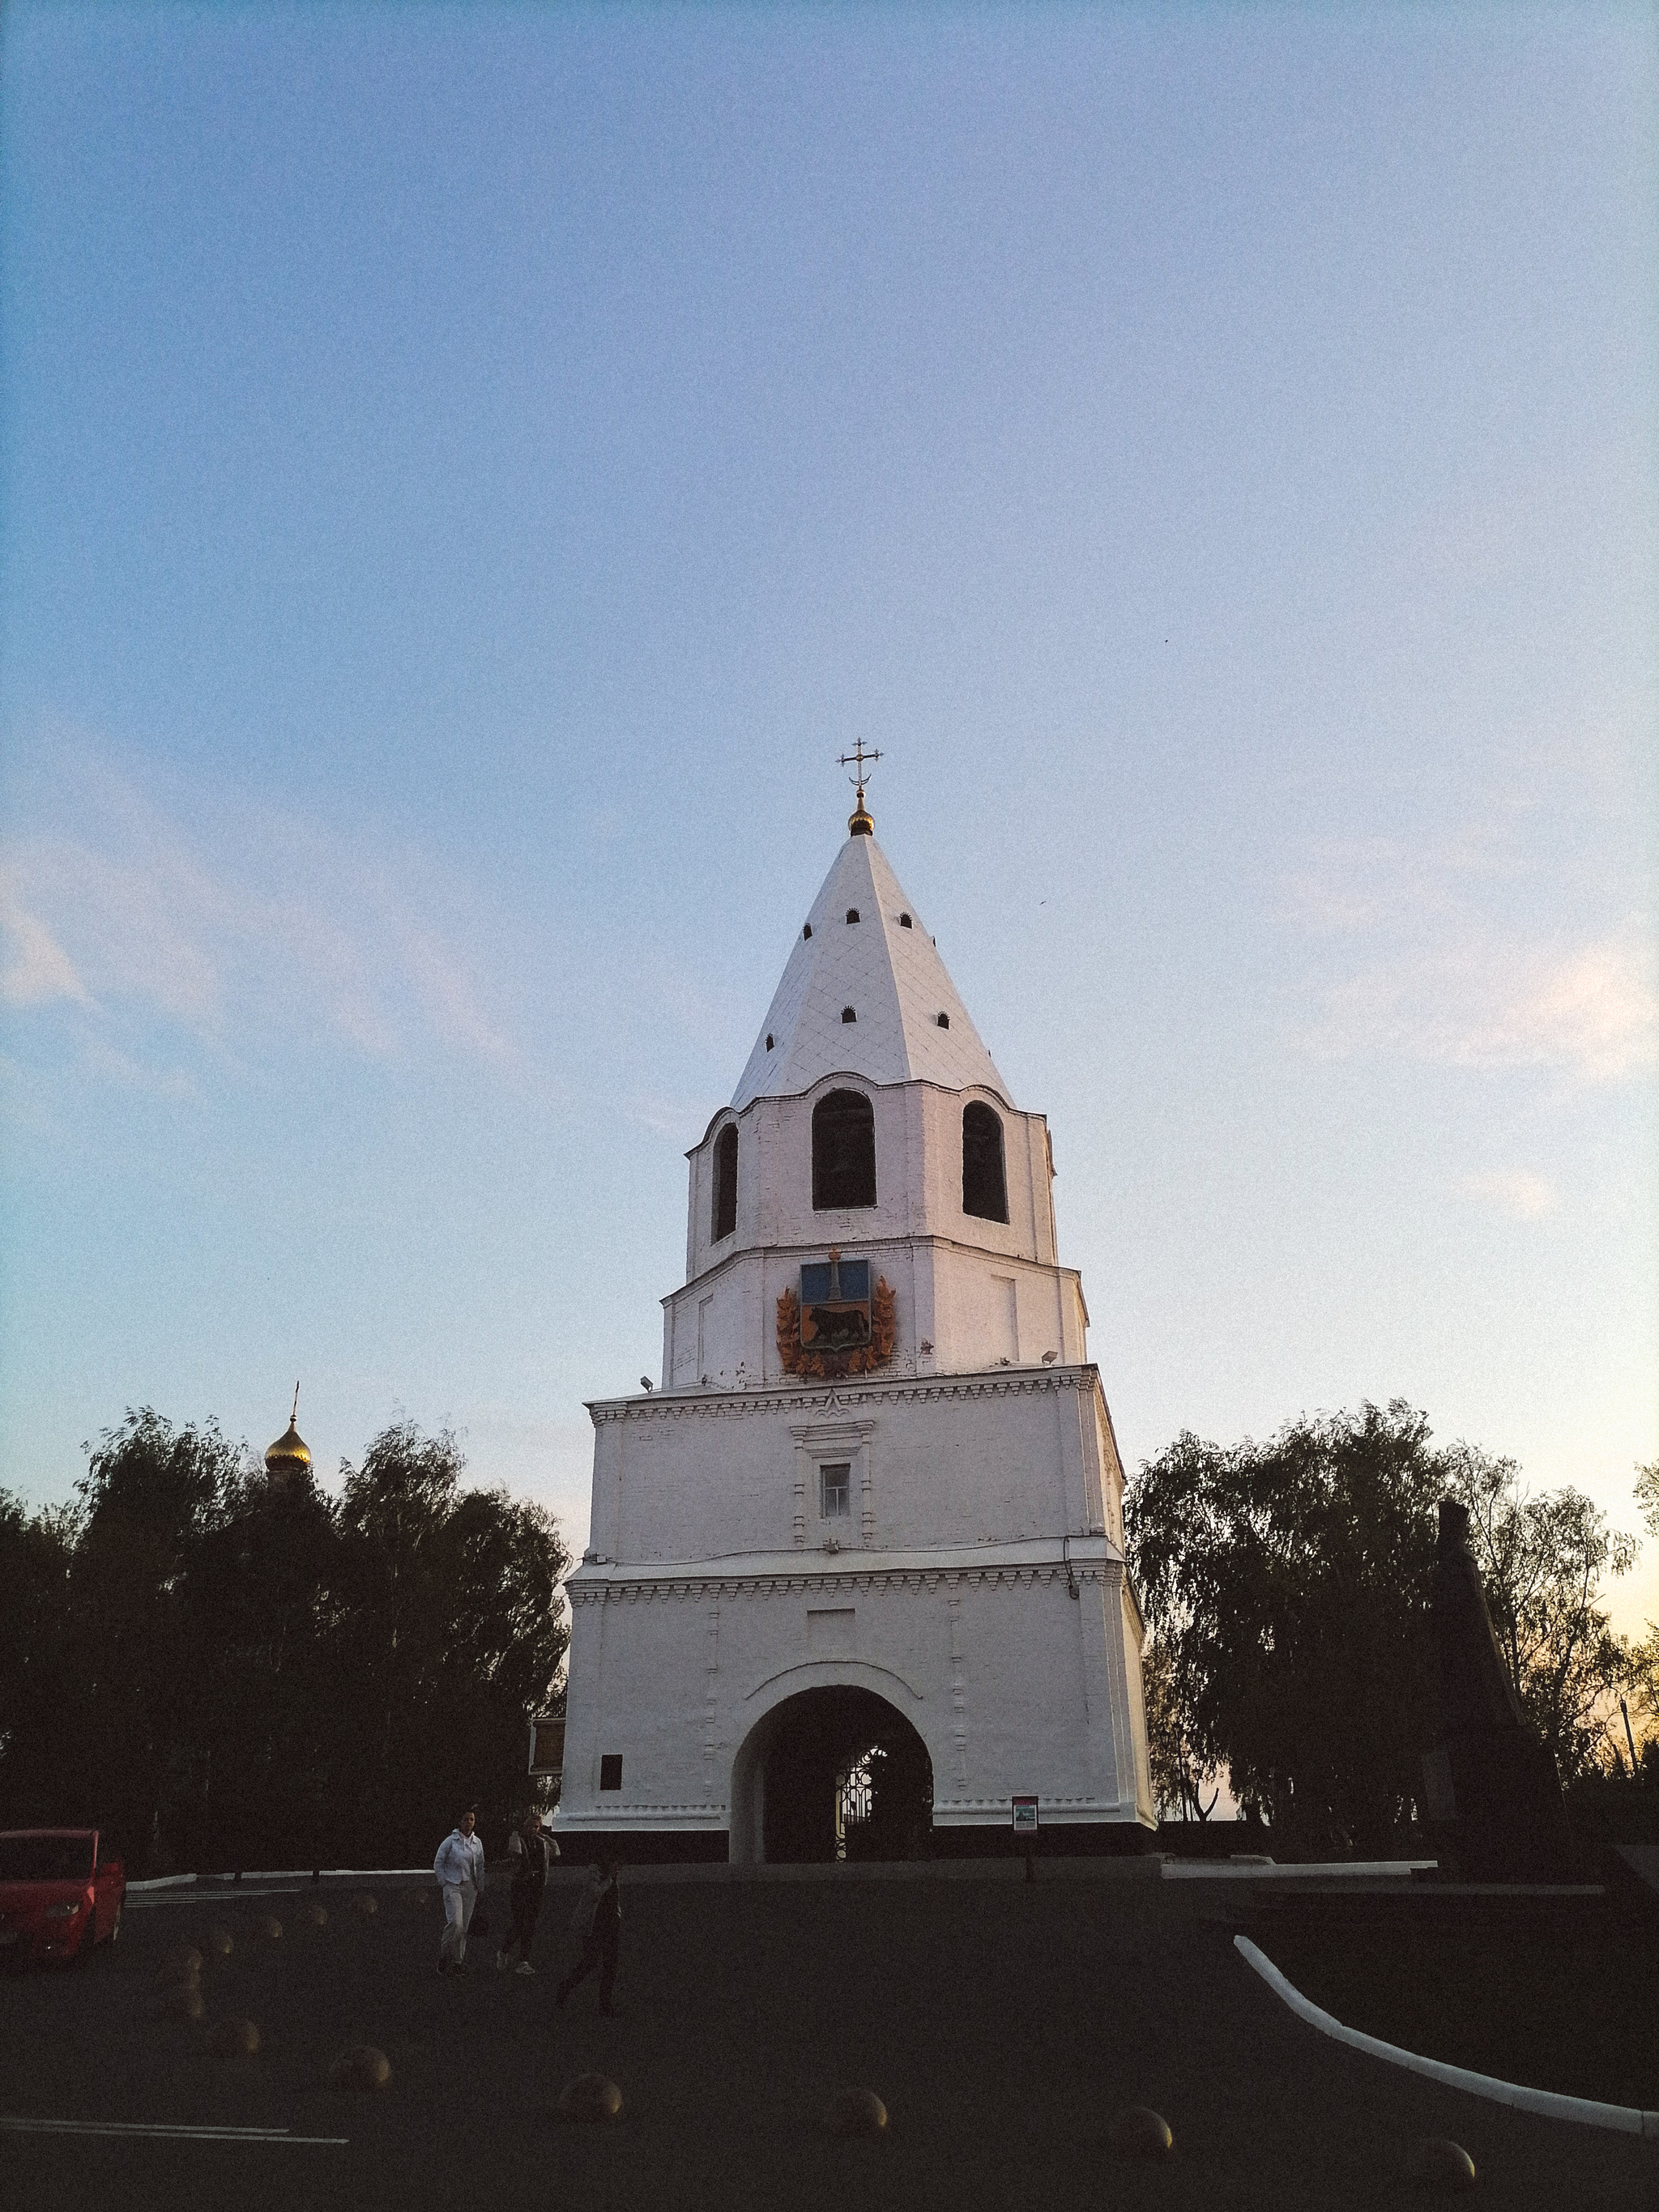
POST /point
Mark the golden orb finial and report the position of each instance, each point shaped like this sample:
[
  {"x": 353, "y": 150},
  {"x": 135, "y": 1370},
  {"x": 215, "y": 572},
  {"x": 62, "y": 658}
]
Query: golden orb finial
[
  {"x": 860, "y": 823},
  {"x": 289, "y": 1455}
]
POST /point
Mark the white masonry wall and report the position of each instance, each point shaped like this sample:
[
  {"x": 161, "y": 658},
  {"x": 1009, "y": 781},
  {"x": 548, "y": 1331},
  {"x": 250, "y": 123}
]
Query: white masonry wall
[
  {"x": 980, "y": 1459},
  {"x": 918, "y": 1176},
  {"x": 947, "y": 1589},
  {"x": 1015, "y": 1686},
  {"x": 970, "y": 1292}
]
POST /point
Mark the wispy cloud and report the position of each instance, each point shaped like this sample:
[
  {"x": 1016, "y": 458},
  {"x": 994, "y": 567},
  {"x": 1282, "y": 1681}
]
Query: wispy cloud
[
  {"x": 1591, "y": 1009},
  {"x": 1373, "y": 883},
  {"x": 667, "y": 1117},
  {"x": 133, "y": 918},
  {"x": 34, "y": 969},
  {"x": 1514, "y": 1191},
  {"x": 1425, "y": 972}
]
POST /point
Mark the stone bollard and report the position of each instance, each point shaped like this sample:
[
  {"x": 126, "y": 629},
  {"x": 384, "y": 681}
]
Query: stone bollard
[
  {"x": 183, "y": 2000},
  {"x": 233, "y": 2038},
  {"x": 218, "y": 1942},
  {"x": 268, "y": 1929},
  {"x": 856, "y": 2112},
  {"x": 1139, "y": 2132},
  {"x": 1433, "y": 2162},
  {"x": 179, "y": 1966},
  {"x": 313, "y": 1915},
  {"x": 362, "y": 2067},
  {"x": 590, "y": 2097},
  {"x": 365, "y": 1905}
]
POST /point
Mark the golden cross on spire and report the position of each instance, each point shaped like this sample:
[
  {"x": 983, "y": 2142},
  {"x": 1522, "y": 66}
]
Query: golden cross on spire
[{"x": 859, "y": 823}]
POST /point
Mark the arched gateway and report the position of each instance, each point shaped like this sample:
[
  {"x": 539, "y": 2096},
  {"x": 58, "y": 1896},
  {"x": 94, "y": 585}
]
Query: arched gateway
[
  {"x": 855, "y": 1578},
  {"x": 832, "y": 1773}
]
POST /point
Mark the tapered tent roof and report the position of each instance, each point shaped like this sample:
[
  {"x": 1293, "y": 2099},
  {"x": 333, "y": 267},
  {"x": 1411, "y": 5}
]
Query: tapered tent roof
[{"x": 889, "y": 974}]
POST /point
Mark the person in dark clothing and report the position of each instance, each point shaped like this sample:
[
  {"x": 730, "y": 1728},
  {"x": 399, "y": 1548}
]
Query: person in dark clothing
[
  {"x": 529, "y": 1853},
  {"x": 600, "y": 1939}
]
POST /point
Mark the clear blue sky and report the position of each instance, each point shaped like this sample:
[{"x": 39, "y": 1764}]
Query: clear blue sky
[{"x": 467, "y": 474}]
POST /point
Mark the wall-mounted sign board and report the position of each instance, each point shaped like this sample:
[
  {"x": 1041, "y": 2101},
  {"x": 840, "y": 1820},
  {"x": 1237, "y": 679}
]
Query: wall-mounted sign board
[
  {"x": 1025, "y": 1815},
  {"x": 546, "y": 1744}
]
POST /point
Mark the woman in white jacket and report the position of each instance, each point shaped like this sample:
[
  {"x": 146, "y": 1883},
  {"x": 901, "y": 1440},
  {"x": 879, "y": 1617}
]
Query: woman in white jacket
[{"x": 459, "y": 1868}]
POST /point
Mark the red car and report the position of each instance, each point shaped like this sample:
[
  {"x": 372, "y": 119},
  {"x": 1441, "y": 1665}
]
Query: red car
[{"x": 60, "y": 1892}]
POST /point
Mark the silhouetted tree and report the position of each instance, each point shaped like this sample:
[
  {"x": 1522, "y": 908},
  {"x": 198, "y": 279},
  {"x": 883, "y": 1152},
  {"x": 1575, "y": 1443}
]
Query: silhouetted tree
[
  {"x": 1644, "y": 1693},
  {"x": 266, "y": 1602},
  {"x": 1542, "y": 1560},
  {"x": 1179, "y": 1776},
  {"x": 137, "y": 1653},
  {"x": 451, "y": 1630},
  {"x": 1286, "y": 1585},
  {"x": 37, "y": 1550},
  {"x": 261, "y": 1675}
]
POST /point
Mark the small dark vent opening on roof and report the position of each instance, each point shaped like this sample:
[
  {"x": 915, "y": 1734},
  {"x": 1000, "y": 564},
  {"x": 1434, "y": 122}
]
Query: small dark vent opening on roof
[
  {"x": 904, "y": 921},
  {"x": 807, "y": 932},
  {"x": 768, "y": 1040},
  {"x": 847, "y": 1015},
  {"x": 944, "y": 1020},
  {"x": 852, "y": 914}
]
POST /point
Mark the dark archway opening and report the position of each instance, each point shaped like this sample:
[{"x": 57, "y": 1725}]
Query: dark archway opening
[
  {"x": 984, "y": 1183},
  {"x": 844, "y": 1775},
  {"x": 726, "y": 1180},
  {"x": 843, "y": 1151}
]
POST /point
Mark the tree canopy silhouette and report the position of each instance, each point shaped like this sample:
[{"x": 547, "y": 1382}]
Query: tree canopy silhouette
[
  {"x": 1287, "y": 1585},
  {"x": 230, "y": 1668}
]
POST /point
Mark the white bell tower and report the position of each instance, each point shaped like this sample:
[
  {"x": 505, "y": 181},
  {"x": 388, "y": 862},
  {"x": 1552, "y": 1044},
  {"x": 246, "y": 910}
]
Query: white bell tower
[{"x": 855, "y": 1582}]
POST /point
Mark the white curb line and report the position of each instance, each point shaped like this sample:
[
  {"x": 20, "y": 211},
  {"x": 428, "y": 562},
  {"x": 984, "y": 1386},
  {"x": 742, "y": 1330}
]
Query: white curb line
[
  {"x": 1257, "y": 1869},
  {"x": 1547, "y": 2104},
  {"x": 160, "y": 2132},
  {"x": 219, "y": 1889},
  {"x": 279, "y": 1873}
]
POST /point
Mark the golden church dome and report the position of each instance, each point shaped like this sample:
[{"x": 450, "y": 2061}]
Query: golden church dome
[{"x": 289, "y": 1455}]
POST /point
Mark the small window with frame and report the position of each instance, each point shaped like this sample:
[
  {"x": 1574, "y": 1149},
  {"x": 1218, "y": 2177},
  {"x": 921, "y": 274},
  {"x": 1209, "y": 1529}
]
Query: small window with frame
[
  {"x": 835, "y": 1490},
  {"x": 610, "y": 1770}
]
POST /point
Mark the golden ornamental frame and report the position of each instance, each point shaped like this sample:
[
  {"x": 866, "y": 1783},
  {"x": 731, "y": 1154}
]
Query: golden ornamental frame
[{"x": 825, "y": 1367}]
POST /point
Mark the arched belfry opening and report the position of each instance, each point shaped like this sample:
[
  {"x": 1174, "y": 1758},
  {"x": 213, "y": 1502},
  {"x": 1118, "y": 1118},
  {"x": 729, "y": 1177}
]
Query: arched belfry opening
[
  {"x": 843, "y": 1151},
  {"x": 831, "y": 1774},
  {"x": 984, "y": 1177},
  {"x": 726, "y": 1182}
]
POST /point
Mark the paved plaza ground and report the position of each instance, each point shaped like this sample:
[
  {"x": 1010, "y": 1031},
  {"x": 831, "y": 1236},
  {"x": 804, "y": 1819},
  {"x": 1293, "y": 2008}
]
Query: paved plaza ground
[{"x": 1002, "y": 2023}]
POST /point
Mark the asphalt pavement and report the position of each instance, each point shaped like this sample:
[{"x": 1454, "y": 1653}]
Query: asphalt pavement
[{"x": 1002, "y": 2024}]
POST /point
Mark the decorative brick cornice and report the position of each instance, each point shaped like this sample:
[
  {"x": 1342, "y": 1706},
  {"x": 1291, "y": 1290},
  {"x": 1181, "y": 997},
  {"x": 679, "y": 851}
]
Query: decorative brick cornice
[
  {"x": 691, "y": 1815},
  {"x": 1003, "y": 1804},
  {"x": 829, "y": 1399},
  {"x": 649, "y": 1589}
]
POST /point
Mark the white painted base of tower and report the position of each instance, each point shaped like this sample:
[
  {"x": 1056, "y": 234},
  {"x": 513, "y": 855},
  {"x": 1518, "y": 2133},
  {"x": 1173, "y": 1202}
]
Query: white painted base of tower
[{"x": 1017, "y": 1664}]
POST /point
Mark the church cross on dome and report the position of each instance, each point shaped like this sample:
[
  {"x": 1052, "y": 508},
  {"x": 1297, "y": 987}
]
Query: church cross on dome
[{"x": 859, "y": 823}]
